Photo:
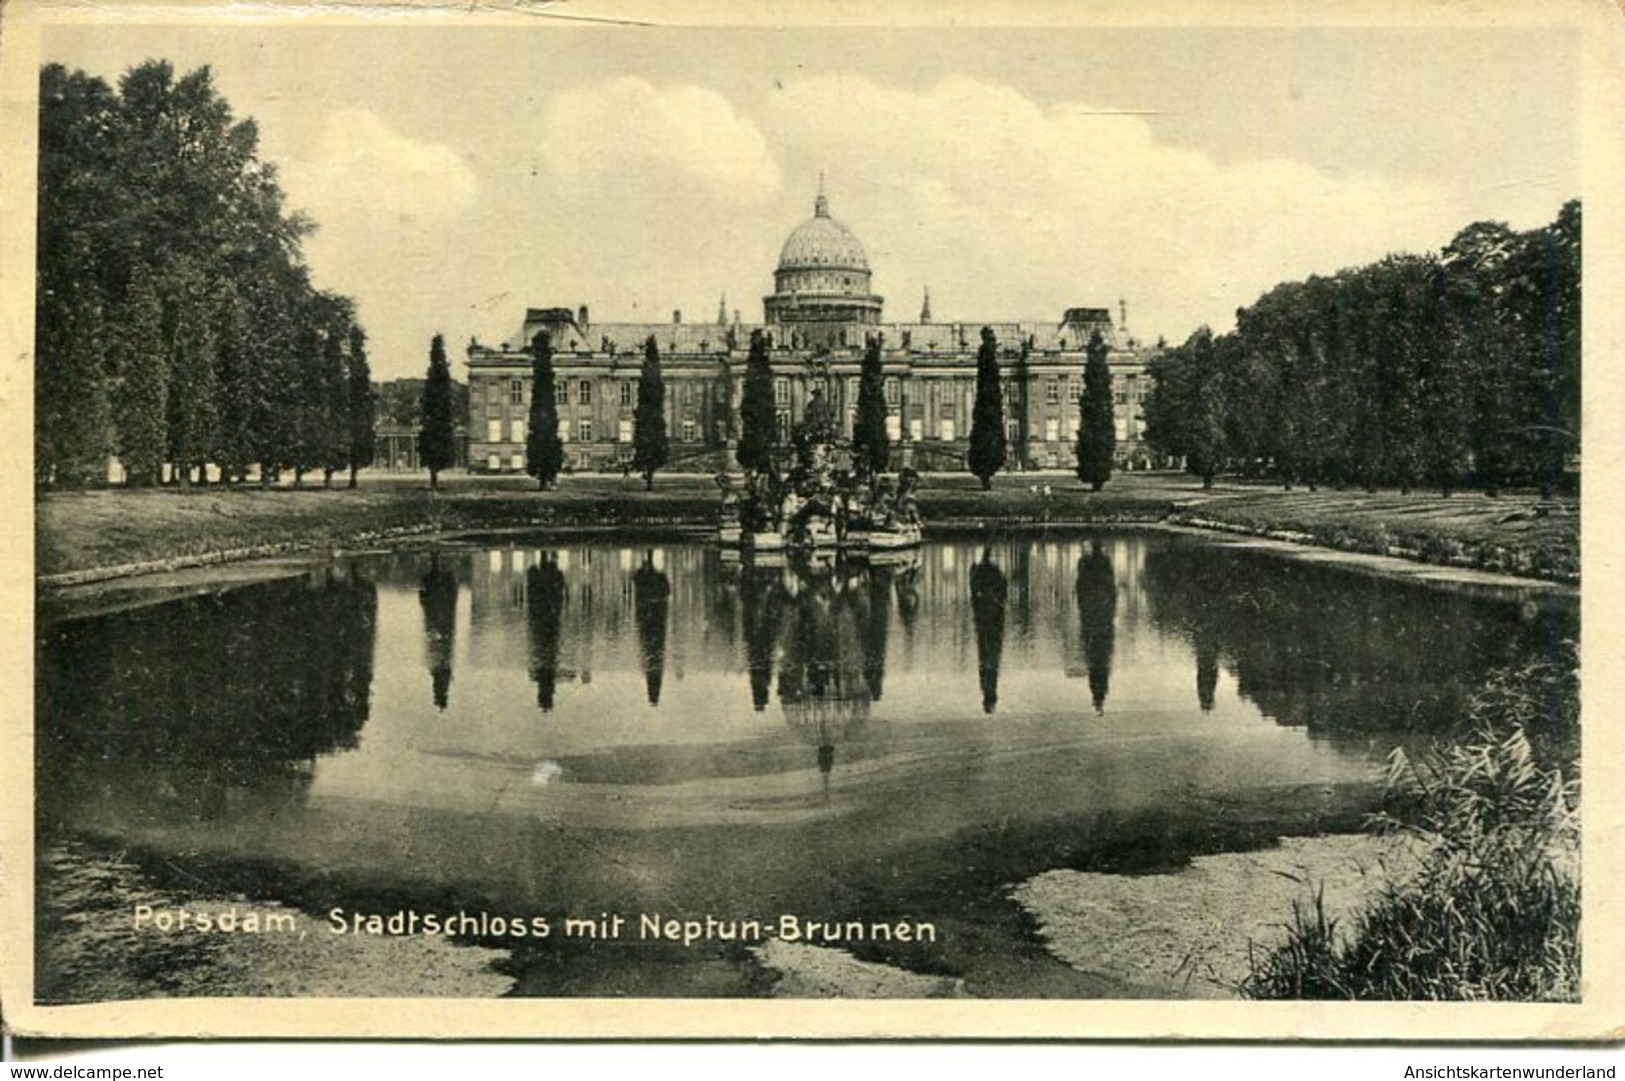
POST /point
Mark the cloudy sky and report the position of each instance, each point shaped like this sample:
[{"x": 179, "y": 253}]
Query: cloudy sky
[{"x": 458, "y": 175}]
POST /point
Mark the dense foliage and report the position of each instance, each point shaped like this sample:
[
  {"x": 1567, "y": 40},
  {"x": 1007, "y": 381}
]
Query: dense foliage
[
  {"x": 1097, "y": 427},
  {"x": 987, "y": 441},
  {"x": 176, "y": 325},
  {"x": 1448, "y": 369},
  {"x": 650, "y": 447}
]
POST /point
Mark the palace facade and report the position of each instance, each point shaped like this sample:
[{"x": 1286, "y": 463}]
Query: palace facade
[{"x": 816, "y": 321}]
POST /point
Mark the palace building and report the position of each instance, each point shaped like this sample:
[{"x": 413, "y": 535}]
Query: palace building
[{"x": 816, "y": 321}]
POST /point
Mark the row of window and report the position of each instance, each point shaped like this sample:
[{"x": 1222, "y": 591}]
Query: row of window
[
  {"x": 688, "y": 431},
  {"x": 686, "y": 393},
  {"x": 683, "y": 393}
]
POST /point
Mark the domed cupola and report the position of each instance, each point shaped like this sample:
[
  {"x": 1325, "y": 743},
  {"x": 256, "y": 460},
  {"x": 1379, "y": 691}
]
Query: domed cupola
[
  {"x": 823, "y": 274},
  {"x": 822, "y": 243}
]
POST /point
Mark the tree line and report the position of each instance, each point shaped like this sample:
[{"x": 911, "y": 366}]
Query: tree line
[
  {"x": 176, "y": 323},
  {"x": 1450, "y": 369}
]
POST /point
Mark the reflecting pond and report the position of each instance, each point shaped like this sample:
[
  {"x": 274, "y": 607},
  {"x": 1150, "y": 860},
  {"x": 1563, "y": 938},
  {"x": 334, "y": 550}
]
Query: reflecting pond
[{"x": 584, "y": 729}]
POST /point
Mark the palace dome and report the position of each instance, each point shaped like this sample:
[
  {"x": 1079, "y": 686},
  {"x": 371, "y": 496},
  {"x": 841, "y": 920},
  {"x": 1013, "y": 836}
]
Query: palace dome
[{"x": 822, "y": 243}]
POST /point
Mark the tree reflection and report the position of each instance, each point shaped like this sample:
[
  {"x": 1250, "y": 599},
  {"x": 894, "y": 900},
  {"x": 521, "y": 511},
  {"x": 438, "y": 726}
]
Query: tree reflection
[
  {"x": 989, "y": 591},
  {"x": 907, "y": 579},
  {"x": 1097, "y": 608},
  {"x": 545, "y": 596},
  {"x": 762, "y": 611},
  {"x": 651, "y": 601},
  {"x": 1339, "y": 654},
  {"x": 210, "y": 705},
  {"x": 438, "y": 596},
  {"x": 879, "y": 627},
  {"x": 1207, "y": 670}
]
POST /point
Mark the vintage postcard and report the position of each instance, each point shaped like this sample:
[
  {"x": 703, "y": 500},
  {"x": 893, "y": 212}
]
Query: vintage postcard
[{"x": 630, "y": 520}]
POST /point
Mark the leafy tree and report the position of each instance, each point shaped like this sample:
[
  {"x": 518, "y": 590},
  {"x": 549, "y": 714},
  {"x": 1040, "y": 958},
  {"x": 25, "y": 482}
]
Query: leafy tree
[
  {"x": 361, "y": 407},
  {"x": 436, "y": 440},
  {"x": 757, "y": 428},
  {"x": 987, "y": 443},
  {"x": 307, "y": 400},
  {"x": 1475, "y": 263},
  {"x": 1416, "y": 368},
  {"x": 141, "y": 393},
  {"x": 1185, "y": 411},
  {"x": 159, "y": 224},
  {"x": 238, "y": 383},
  {"x": 1554, "y": 400},
  {"x": 544, "y": 450},
  {"x": 73, "y": 409},
  {"x": 334, "y": 406},
  {"x": 650, "y": 449},
  {"x": 869, "y": 440},
  {"x": 193, "y": 386},
  {"x": 1405, "y": 323},
  {"x": 1097, "y": 427},
  {"x": 73, "y": 413}
]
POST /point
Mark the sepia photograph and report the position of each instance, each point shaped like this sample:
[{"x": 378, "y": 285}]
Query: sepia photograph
[{"x": 596, "y": 520}]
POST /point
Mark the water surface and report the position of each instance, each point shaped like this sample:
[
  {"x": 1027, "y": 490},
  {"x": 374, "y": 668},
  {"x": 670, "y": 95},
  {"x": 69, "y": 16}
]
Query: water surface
[{"x": 592, "y": 728}]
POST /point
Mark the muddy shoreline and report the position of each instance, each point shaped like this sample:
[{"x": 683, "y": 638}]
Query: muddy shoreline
[{"x": 994, "y": 941}]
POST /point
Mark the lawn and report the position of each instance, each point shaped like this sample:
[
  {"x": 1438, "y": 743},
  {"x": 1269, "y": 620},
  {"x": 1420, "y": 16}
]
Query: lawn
[{"x": 102, "y": 533}]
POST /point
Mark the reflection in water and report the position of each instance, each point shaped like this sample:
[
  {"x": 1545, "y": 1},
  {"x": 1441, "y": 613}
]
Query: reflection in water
[
  {"x": 761, "y": 613},
  {"x": 823, "y": 685},
  {"x": 211, "y": 705},
  {"x": 1340, "y": 655},
  {"x": 1097, "y": 607},
  {"x": 908, "y": 597},
  {"x": 207, "y": 699},
  {"x": 874, "y": 645},
  {"x": 651, "y": 597},
  {"x": 545, "y": 596},
  {"x": 989, "y": 591},
  {"x": 438, "y": 595},
  {"x": 1207, "y": 670}
]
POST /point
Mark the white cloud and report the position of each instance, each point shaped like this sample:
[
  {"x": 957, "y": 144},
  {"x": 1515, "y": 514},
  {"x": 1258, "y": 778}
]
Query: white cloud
[
  {"x": 363, "y": 173},
  {"x": 1009, "y": 209},
  {"x": 628, "y": 131}
]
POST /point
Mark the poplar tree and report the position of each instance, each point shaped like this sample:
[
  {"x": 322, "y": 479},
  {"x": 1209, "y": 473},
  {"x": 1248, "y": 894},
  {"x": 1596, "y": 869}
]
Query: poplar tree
[
  {"x": 73, "y": 382},
  {"x": 436, "y": 439},
  {"x": 141, "y": 392},
  {"x": 335, "y": 407},
  {"x": 987, "y": 443},
  {"x": 544, "y": 450},
  {"x": 870, "y": 443},
  {"x": 650, "y": 448},
  {"x": 1097, "y": 427},
  {"x": 756, "y": 418},
  {"x": 361, "y": 406},
  {"x": 193, "y": 389}
]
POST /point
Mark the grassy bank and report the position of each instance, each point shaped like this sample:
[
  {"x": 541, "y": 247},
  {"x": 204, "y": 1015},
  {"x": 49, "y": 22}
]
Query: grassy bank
[
  {"x": 1509, "y": 534},
  {"x": 92, "y": 535}
]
